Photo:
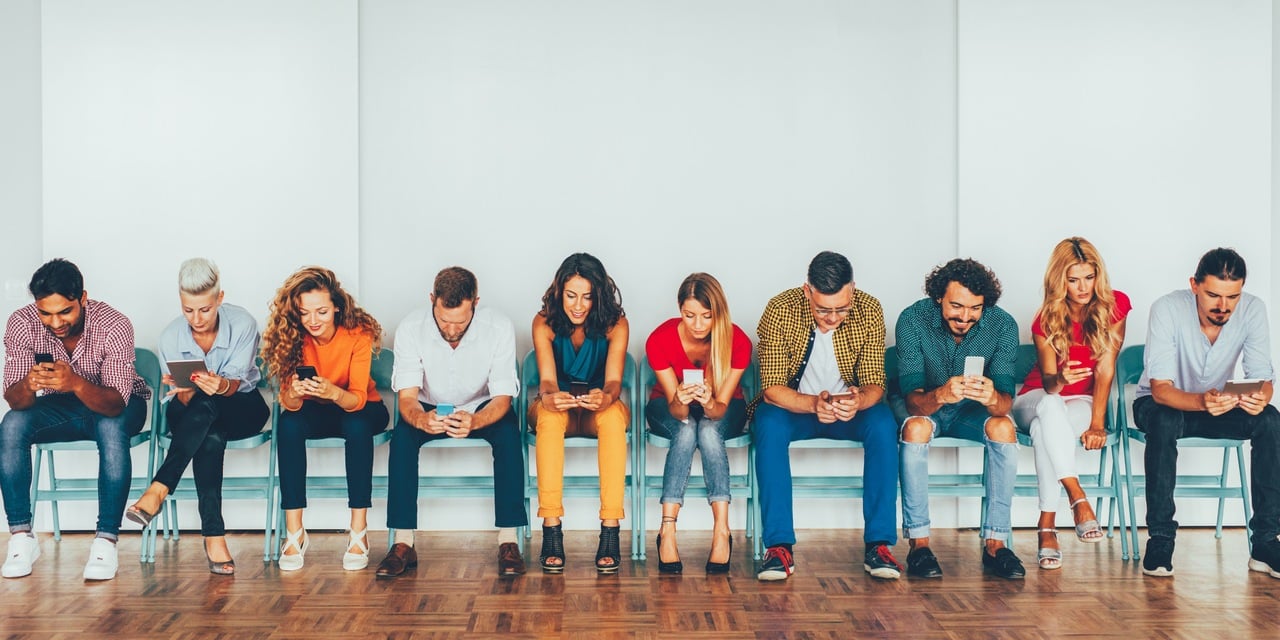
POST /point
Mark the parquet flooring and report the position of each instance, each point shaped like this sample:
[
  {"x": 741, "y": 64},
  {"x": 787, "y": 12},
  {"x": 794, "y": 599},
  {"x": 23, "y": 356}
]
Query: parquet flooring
[{"x": 457, "y": 594}]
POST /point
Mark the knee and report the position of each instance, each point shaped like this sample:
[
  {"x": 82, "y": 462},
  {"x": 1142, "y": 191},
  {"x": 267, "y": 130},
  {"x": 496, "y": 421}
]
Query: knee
[
  {"x": 550, "y": 422},
  {"x": 1268, "y": 429},
  {"x": 917, "y": 430},
  {"x": 1050, "y": 403},
  {"x": 1001, "y": 429},
  {"x": 15, "y": 430}
]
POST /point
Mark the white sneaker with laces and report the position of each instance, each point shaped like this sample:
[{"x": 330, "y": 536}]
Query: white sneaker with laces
[
  {"x": 23, "y": 551},
  {"x": 103, "y": 560}
]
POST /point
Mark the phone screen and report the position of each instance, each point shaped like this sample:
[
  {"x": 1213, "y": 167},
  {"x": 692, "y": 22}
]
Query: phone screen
[
  {"x": 306, "y": 372},
  {"x": 579, "y": 388},
  {"x": 694, "y": 376},
  {"x": 973, "y": 366},
  {"x": 444, "y": 409},
  {"x": 44, "y": 358}
]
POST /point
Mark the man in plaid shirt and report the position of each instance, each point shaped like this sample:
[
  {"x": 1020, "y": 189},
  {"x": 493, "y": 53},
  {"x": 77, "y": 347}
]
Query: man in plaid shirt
[
  {"x": 68, "y": 375},
  {"x": 822, "y": 376}
]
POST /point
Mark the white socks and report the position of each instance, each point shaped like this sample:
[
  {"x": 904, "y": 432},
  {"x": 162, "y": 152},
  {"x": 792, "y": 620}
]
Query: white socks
[{"x": 404, "y": 536}]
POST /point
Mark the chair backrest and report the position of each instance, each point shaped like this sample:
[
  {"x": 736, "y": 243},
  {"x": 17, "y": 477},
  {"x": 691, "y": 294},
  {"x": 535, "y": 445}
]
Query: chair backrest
[
  {"x": 147, "y": 364},
  {"x": 1129, "y": 365},
  {"x": 383, "y": 365}
]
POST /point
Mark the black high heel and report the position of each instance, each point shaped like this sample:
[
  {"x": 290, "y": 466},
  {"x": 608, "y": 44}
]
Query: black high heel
[
  {"x": 609, "y": 547},
  {"x": 721, "y": 567},
  {"x": 552, "y": 547},
  {"x": 667, "y": 567}
]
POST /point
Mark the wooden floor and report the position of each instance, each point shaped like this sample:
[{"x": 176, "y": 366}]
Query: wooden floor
[{"x": 458, "y": 595}]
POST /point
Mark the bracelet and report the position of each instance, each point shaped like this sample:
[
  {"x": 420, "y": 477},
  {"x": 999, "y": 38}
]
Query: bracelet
[{"x": 221, "y": 390}]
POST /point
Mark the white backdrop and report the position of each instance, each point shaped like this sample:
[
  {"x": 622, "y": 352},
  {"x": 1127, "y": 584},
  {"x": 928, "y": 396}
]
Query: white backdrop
[{"x": 389, "y": 138}]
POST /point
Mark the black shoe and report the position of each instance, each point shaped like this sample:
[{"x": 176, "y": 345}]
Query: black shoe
[
  {"x": 667, "y": 567},
  {"x": 880, "y": 563},
  {"x": 1265, "y": 557},
  {"x": 1003, "y": 564},
  {"x": 778, "y": 564},
  {"x": 1159, "y": 558},
  {"x": 610, "y": 548},
  {"x": 721, "y": 567},
  {"x": 552, "y": 547},
  {"x": 921, "y": 563}
]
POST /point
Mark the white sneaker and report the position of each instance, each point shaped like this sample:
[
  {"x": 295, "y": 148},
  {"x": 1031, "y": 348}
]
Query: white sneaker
[
  {"x": 23, "y": 551},
  {"x": 103, "y": 560}
]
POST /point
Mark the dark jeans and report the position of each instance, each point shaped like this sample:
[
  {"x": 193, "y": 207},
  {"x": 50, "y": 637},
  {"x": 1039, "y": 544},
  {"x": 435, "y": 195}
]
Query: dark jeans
[
  {"x": 199, "y": 431},
  {"x": 503, "y": 437},
  {"x": 316, "y": 420},
  {"x": 1164, "y": 425},
  {"x": 64, "y": 418},
  {"x": 775, "y": 429}
]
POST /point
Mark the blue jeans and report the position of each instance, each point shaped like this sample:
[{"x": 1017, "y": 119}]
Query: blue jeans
[
  {"x": 64, "y": 418},
  {"x": 316, "y": 420},
  {"x": 773, "y": 431},
  {"x": 504, "y": 439},
  {"x": 966, "y": 419},
  {"x": 703, "y": 434}
]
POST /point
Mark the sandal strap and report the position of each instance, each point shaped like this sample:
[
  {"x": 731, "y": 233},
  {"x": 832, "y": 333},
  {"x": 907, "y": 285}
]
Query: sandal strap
[
  {"x": 360, "y": 540},
  {"x": 1053, "y": 531},
  {"x": 1078, "y": 501},
  {"x": 297, "y": 539}
]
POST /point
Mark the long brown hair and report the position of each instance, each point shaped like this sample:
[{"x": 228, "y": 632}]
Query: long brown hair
[
  {"x": 704, "y": 288},
  {"x": 1099, "y": 331},
  {"x": 282, "y": 339}
]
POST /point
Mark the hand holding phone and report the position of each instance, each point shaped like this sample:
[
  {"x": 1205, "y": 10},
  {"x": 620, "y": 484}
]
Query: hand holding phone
[
  {"x": 579, "y": 388},
  {"x": 974, "y": 366},
  {"x": 44, "y": 358}
]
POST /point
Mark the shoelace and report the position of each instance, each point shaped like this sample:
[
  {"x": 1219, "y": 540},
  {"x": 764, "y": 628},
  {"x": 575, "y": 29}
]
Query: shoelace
[
  {"x": 781, "y": 554},
  {"x": 883, "y": 553}
]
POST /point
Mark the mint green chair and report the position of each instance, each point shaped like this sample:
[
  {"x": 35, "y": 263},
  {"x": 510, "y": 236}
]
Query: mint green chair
[
  {"x": 148, "y": 367},
  {"x": 235, "y": 487},
  {"x": 650, "y": 486},
  {"x": 1129, "y": 372},
  {"x": 582, "y": 486},
  {"x": 334, "y": 487}
]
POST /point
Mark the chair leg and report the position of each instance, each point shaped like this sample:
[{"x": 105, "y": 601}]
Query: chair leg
[
  {"x": 1222, "y": 484},
  {"x": 1244, "y": 495},
  {"x": 53, "y": 502},
  {"x": 1129, "y": 490}
]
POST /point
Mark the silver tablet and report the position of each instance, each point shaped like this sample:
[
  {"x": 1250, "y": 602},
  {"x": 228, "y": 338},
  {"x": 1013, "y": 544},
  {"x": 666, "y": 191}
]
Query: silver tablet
[{"x": 182, "y": 370}]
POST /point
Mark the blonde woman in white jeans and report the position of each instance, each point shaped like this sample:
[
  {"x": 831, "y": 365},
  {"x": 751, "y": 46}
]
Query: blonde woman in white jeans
[{"x": 1078, "y": 332}]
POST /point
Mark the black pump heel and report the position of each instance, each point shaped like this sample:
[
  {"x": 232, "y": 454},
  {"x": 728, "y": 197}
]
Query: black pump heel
[
  {"x": 609, "y": 547},
  {"x": 721, "y": 567},
  {"x": 552, "y": 547},
  {"x": 667, "y": 567}
]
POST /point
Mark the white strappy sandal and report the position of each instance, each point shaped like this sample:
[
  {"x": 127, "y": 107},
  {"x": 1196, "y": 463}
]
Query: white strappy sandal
[
  {"x": 298, "y": 540},
  {"x": 1047, "y": 558},
  {"x": 357, "y": 561},
  {"x": 1089, "y": 530}
]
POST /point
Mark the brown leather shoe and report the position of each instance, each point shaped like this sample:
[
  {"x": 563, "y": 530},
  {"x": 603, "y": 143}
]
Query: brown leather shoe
[
  {"x": 400, "y": 557},
  {"x": 510, "y": 563}
]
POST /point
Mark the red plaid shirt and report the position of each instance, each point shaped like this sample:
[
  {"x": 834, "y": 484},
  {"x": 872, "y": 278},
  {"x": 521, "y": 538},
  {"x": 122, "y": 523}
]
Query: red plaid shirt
[{"x": 104, "y": 355}]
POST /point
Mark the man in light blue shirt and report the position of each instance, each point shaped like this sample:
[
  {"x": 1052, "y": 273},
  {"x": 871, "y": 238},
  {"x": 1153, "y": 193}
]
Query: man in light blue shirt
[{"x": 1194, "y": 339}]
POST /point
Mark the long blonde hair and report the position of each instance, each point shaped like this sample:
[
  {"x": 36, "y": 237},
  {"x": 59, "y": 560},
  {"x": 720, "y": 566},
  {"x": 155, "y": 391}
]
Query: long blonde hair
[
  {"x": 704, "y": 288},
  {"x": 1098, "y": 329},
  {"x": 282, "y": 339}
]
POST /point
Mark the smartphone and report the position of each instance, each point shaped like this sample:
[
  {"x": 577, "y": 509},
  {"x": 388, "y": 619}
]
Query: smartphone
[
  {"x": 841, "y": 397},
  {"x": 44, "y": 358},
  {"x": 579, "y": 388},
  {"x": 973, "y": 366},
  {"x": 1242, "y": 387},
  {"x": 444, "y": 409},
  {"x": 306, "y": 372},
  {"x": 694, "y": 376}
]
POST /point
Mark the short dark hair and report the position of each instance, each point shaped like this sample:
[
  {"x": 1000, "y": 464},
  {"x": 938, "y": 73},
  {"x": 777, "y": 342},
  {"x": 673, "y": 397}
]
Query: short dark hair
[
  {"x": 58, "y": 276},
  {"x": 971, "y": 274},
  {"x": 829, "y": 272},
  {"x": 454, "y": 285},
  {"x": 1221, "y": 263}
]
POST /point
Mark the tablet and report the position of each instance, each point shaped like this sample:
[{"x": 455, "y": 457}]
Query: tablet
[
  {"x": 182, "y": 370},
  {"x": 1242, "y": 387}
]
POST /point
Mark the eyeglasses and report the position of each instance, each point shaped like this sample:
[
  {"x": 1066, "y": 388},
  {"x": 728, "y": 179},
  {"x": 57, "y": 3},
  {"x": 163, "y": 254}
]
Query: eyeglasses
[{"x": 841, "y": 312}]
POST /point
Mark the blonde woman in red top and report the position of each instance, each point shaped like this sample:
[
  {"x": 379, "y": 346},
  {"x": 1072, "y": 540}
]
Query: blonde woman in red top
[
  {"x": 1078, "y": 332},
  {"x": 319, "y": 346}
]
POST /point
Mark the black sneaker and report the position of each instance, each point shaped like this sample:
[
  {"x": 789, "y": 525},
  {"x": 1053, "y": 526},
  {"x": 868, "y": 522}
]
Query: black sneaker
[
  {"x": 778, "y": 564},
  {"x": 880, "y": 563},
  {"x": 1003, "y": 564},
  {"x": 921, "y": 563},
  {"x": 1159, "y": 558},
  {"x": 1265, "y": 557}
]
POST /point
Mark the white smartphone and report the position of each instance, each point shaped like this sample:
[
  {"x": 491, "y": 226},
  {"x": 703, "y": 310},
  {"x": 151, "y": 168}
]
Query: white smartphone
[
  {"x": 973, "y": 366},
  {"x": 694, "y": 376}
]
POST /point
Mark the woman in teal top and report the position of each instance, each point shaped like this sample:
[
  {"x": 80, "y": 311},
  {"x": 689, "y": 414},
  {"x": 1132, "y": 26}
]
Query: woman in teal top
[{"x": 580, "y": 338}]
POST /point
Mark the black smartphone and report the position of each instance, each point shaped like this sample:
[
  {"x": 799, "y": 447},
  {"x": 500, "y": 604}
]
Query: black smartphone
[
  {"x": 306, "y": 372},
  {"x": 44, "y": 358},
  {"x": 579, "y": 388}
]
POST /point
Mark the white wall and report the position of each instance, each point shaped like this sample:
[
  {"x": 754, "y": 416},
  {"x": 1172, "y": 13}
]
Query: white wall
[
  {"x": 390, "y": 138},
  {"x": 19, "y": 148}
]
